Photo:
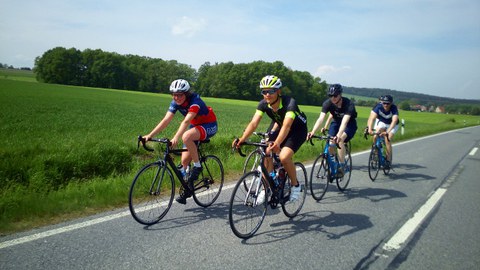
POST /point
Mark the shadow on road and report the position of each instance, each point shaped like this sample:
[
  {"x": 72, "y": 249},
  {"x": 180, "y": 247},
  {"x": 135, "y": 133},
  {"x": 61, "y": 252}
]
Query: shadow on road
[{"x": 333, "y": 225}]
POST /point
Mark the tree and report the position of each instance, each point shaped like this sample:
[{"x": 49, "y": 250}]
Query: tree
[{"x": 59, "y": 65}]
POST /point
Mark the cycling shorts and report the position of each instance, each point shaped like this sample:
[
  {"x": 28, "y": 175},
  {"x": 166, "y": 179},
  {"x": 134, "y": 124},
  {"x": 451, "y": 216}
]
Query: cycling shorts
[
  {"x": 206, "y": 130},
  {"x": 350, "y": 129},
  {"x": 381, "y": 125},
  {"x": 294, "y": 139}
]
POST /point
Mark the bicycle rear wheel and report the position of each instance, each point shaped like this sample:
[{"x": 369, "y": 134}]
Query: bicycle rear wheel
[
  {"x": 292, "y": 208},
  {"x": 151, "y": 193},
  {"x": 373, "y": 163},
  {"x": 247, "y": 210},
  {"x": 210, "y": 182},
  {"x": 343, "y": 181},
  {"x": 386, "y": 168},
  {"x": 319, "y": 177}
]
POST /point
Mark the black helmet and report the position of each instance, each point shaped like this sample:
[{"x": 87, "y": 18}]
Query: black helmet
[
  {"x": 386, "y": 98},
  {"x": 335, "y": 89}
]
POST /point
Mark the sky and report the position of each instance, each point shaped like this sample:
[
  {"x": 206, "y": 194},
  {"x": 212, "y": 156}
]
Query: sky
[{"x": 422, "y": 46}]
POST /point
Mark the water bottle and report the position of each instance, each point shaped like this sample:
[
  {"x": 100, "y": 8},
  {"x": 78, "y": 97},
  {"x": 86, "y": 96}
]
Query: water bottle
[{"x": 274, "y": 177}]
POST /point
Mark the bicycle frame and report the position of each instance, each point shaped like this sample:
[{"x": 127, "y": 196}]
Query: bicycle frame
[
  {"x": 167, "y": 158},
  {"x": 379, "y": 144},
  {"x": 332, "y": 161},
  {"x": 261, "y": 167}
]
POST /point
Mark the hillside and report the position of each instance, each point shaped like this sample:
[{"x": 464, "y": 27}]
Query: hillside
[{"x": 400, "y": 96}]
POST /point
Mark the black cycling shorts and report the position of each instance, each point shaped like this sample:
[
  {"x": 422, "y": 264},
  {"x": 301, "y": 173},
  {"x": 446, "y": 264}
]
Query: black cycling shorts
[{"x": 294, "y": 139}]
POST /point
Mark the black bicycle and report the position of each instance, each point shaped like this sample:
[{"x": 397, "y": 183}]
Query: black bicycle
[
  {"x": 257, "y": 189},
  {"x": 153, "y": 188},
  {"x": 325, "y": 169},
  {"x": 378, "y": 155}
]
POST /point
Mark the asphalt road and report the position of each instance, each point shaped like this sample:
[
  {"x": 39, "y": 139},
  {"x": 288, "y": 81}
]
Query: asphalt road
[{"x": 424, "y": 215}]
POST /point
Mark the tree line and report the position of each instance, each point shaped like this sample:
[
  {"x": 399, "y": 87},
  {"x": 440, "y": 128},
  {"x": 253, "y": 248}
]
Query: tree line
[{"x": 97, "y": 68}]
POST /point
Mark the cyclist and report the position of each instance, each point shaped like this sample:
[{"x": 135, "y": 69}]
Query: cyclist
[
  {"x": 344, "y": 125},
  {"x": 286, "y": 135},
  {"x": 385, "y": 114},
  {"x": 200, "y": 123}
]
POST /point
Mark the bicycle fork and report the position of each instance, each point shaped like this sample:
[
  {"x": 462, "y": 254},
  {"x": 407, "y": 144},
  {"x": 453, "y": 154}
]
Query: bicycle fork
[{"x": 254, "y": 188}]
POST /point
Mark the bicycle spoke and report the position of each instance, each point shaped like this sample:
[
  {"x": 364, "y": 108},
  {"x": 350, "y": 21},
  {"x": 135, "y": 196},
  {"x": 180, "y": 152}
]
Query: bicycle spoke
[
  {"x": 291, "y": 207},
  {"x": 151, "y": 194},
  {"x": 247, "y": 211}
]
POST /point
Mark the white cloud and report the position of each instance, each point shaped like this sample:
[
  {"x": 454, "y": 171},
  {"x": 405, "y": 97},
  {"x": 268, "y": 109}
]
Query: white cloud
[
  {"x": 327, "y": 69},
  {"x": 188, "y": 26}
]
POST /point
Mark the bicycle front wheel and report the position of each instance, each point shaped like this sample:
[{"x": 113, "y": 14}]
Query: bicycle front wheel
[
  {"x": 373, "y": 163},
  {"x": 291, "y": 208},
  {"x": 248, "y": 207},
  {"x": 319, "y": 177},
  {"x": 210, "y": 182},
  {"x": 151, "y": 193},
  {"x": 252, "y": 161},
  {"x": 342, "y": 182}
]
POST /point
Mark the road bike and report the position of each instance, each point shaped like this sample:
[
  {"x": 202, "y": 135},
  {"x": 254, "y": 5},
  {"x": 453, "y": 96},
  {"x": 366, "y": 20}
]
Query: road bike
[
  {"x": 325, "y": 168},
  {"x": 378, "y": 155},
  {"x": 153, "y": 188},
  {"x": 257, "y": 189}
]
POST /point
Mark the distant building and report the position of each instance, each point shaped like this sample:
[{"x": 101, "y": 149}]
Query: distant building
[
  {"x": 440, "y": 109},
  {"x": 418, "y": 108}
]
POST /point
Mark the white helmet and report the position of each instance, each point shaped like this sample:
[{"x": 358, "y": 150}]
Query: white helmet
[
  {"x": 179, "y": 86},
  {"x": 270, "y": 81}
]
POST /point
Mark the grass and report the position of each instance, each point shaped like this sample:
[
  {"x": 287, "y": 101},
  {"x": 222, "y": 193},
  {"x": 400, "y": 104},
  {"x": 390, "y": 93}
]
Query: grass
[
  {"x": 70, "y": 151},
  {"x": 16, "y": 74}
]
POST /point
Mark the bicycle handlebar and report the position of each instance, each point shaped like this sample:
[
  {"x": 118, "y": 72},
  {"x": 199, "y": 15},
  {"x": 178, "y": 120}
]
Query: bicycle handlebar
[
  {"x": 239, "y": 149},
  {"x": 323, "y": 137},
  {"x": 366, "y": 134},
  {"x": 142, "y": 141}
]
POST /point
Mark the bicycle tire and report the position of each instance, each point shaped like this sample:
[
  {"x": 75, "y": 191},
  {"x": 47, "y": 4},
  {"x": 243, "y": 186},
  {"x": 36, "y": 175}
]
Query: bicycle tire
[
  {"x": 373, "y": 163},
  {"x": 151, "y": 193},
  {"x": 210, "y": 181},
  {"x": 319, "y": 177},
  {"x": 292, "y": 208},
  {"x": 252, "y": 162},
  {"x": 342, "y": 182},
  {"x": 386, "y": 170},
  {"x": 245, "y": 214}
]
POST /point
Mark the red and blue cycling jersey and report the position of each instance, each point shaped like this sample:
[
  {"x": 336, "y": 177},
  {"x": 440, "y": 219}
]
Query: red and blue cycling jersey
[{"x": 196, "y": 105}]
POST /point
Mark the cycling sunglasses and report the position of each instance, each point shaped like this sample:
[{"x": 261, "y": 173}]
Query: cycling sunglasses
[
  {"x": 269, "y": 91},
  {"x": 386, "y": 103},
  {"x": 333, "y": 96}
]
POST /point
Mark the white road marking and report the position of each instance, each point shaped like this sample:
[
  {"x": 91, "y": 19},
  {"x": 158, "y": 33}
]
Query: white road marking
[
  {"x": 61, "y": 230},
  {"x": 413, "y": 223},
  {"x": 474, "y": 150}
]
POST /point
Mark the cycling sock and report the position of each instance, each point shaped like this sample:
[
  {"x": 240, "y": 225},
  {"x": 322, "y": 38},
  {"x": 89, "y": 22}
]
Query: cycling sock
[{"x": 197, "y": 164}]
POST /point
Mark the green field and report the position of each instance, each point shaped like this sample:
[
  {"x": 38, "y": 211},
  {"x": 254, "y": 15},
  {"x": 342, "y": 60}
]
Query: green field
[
  {"x": 19, "y": 75},
  {"x": 70, "y": 151}
]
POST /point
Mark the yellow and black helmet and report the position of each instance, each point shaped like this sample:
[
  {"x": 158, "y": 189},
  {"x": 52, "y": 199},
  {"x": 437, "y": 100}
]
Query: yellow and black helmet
[{"x": 270, "y": 81}]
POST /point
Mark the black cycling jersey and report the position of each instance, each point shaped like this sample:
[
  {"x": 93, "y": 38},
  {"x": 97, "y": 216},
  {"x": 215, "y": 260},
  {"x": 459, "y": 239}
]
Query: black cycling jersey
[
  {"x": 289, "y": 106},
  {"x": 347, "y": 108}
]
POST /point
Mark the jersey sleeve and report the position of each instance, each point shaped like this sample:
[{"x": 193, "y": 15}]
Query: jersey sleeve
[
  {"x": 326, "y": 106},
  {"x": 173, "y": 107}
]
